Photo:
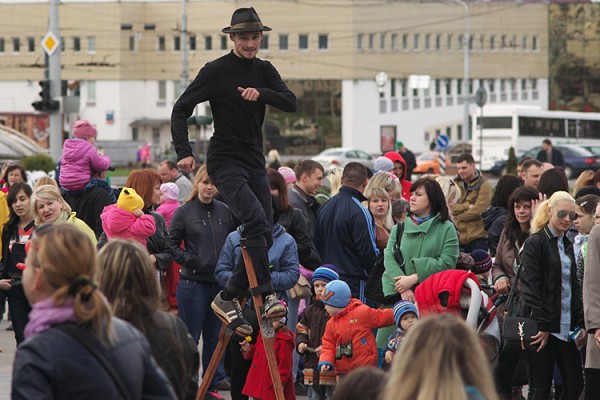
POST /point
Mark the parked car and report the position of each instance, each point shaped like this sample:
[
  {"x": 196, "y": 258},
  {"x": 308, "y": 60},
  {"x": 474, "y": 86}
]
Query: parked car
[
  {"x": 340, "y": 156},
  {"x": 577, "y": 160},
  {"x": 428, "y": 163}
]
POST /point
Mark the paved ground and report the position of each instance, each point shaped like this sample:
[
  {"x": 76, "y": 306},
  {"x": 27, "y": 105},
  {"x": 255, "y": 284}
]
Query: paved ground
[{"x": 7, "y": 343}]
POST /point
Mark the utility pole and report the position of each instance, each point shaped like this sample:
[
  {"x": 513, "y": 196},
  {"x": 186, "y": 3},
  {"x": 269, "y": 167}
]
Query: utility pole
[
  {"x": 56, "y": 134},
  {"x": 184, "y": 47},
  {"x": 467, "y": 64}
]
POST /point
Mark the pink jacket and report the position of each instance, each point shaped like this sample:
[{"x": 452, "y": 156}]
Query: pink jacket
[
  {"x": 122, "y": 224},
  {"x": 167, "y": 209},
  {"x": 78, "y": 161}
]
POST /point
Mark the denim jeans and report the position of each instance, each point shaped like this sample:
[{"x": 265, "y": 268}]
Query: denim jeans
[
  {"x": 19, "y": 308},
  {"x": 193, "y": 301}
]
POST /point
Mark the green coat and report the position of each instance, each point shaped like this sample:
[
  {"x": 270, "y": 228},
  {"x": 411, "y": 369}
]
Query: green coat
[{"x": 427, "y": 248}]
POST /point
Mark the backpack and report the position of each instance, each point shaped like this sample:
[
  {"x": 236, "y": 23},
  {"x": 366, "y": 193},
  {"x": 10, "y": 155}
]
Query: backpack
[{"x": 374, "y": 286}]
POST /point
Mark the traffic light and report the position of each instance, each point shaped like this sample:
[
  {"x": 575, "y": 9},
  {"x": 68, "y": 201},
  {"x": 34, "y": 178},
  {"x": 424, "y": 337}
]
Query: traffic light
[{"x": 46, "y": 104}]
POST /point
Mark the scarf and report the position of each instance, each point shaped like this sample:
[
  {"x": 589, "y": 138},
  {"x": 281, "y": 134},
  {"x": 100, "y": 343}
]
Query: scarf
[
  {"x": 46, "y": 313},
  {"x": 418, "y": 221}
]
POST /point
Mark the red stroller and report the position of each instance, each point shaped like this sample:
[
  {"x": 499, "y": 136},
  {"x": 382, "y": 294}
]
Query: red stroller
[{"x": 458, "y": 292}]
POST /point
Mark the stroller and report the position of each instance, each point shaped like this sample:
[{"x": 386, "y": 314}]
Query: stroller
[{"x": 458, "y": 292}]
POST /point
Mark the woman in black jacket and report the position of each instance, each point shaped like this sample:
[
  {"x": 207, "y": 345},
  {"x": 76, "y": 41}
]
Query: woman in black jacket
[
  {"x": 15, "y": 235},
  {"x": 56, "y": 361},
  {"x": 202, "y": 225},
  {"x": 551, "y": 295}
]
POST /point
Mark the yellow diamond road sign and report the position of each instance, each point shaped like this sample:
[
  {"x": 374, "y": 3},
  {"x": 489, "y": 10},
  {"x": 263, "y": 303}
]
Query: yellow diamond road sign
[{"x": 50, "y": 43}]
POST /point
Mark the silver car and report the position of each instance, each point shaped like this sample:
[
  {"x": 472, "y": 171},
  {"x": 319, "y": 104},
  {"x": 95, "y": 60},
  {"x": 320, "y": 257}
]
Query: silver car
[{"x": 340, "y": 156}]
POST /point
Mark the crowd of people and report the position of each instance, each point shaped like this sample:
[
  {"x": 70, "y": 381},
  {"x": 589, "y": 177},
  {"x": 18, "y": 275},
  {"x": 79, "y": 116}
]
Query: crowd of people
[{"x": 110, "y": 291}]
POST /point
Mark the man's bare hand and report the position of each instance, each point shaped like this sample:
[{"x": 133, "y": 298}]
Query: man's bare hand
[
  {"x": 187, "y": 164},
  {"x": 249, "y": 94}
]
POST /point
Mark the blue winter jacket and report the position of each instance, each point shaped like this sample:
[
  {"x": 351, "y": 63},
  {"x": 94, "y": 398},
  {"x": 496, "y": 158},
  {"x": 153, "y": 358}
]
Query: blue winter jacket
[{"x": 283, "y": 260}]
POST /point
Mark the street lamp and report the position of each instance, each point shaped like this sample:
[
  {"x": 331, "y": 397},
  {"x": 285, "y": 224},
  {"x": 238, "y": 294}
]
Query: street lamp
[{"x": 467, "y": 44}]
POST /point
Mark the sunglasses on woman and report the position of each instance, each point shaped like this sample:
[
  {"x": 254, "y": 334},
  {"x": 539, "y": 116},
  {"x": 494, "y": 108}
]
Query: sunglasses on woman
[{"x": 563, "y": 213}]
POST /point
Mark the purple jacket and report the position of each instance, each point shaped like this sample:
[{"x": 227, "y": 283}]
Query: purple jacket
[
  {"x": 167, "y": 209},
  {"x": 78, "y": 161},
  {"x": 122, "y": 224}
]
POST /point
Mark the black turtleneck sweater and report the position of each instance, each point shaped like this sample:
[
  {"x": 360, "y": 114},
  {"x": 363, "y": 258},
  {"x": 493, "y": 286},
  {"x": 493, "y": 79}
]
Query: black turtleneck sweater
[{"x": 237, "y": 122}]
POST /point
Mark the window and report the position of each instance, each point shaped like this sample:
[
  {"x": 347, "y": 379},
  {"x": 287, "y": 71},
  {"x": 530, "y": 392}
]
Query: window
[
  {"x": 224, "y": 42},
  {"x": 405, "y": 41},
  {"x": 161, "y": 43},
  {"x": 381, "y": 41},
  {"x": 460, "y": 41},
  {"x": 513, "y": 42},
  {"x": 208, "y": 42},
  {"x": 393, "y": 88},
  {"x": 415, "y": 92},
  {"x": 16, "y": 42},
  {"x": 135, "y": 134},
  {"x": 30, "y": 44},
  {"x": 459, "y": 84},
  {"x": 492, "y": 85},
  {"x": 177, "y": 88},
  {"x": 76, "y": 44},
  {"x": 470, "y": 42},
  {"x": 492, "y": 42},
  {"x": 283, "y": 42},
  {"x": 524, "y": 42},
  {"x": 371, "y": 41},
  {"x": 502, "y": 85},
  {"x": 523, "y": 85},
  {"x": 449, "y": 42},
  {"x": 359, "y": 41},
  {"x": 63, "y": 44},
  {"x": 264, "y": 43},
  {"x": 156, "y": 136},
  {"x": 416, "y": 41},
  {"x": 132, "y": 43},
  {"x": 91, "y": 44},
  {"x": 394, "y": 41},
  {"x": 2, "y": 45},
  {"x": 427, "y": 40},
  {"x": 448, "y": 87},
  {"x": 162, "y": 90},
  {"x": 470, "y": 84},
  {"x": 323, "y": 41},
  {"x": 303, "y": 42},
  {"x": 513, "y": 85},
  {"x": 534, "y": 84},
  {"x": 438, "y": 87},
  {"x": 438, "y": 41},
  {"x": 503, "y": 43},
  {"x": 193, "y": 43},
  {"x": 534, "y": 43},
  {"x": 459, "y": 132},
  {"x": 482, "y": 42},
  {"x": 177, "y": 43},
  {"x": 91, "y": 92}
]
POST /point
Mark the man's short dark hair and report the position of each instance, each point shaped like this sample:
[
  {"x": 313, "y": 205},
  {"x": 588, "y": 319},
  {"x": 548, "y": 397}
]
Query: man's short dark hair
[
  {"x": 523, "y": 160},
  {"x": 307, "y": 167},
  {"x": 169, "y": 163},
  {"x": 531, "y": 163},
  {"x": 354, "y": 175},
  {"x": 547, "y": 141},
  {"x": 466, "y": 157}
]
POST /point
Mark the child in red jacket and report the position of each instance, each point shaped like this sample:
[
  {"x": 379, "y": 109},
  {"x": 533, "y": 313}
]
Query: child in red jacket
[
  {"x": 259, "y": 384},
  {"x": 349, "y": 341}
]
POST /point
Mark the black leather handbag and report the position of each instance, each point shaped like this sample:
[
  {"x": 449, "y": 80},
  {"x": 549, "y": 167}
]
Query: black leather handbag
[{"x": 518, "y": 330}]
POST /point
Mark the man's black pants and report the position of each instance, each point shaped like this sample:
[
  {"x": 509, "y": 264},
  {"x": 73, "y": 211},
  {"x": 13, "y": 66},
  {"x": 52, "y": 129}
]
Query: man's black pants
[{"x": 248, "y": 195}]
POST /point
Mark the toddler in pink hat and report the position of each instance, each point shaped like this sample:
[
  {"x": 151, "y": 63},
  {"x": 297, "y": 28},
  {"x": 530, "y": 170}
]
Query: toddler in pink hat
[
  {"x": 80, "y": 159},
  {"x": 289, "y": 175},
  {"x": 168, "y": 201}
]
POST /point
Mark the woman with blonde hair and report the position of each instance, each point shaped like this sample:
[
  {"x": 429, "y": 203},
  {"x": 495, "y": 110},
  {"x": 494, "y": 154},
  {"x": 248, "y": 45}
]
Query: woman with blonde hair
[
  {"x": 72, "y": 338},
  {"x": 380, "y": 206},
  {"x": 201, "y": 225},
  {"x": 49, "y": 207},
  {"x": 335, "y": 180},
  {"x": 388, "y": 182},
  {"x": 586, "y": 178},
  {"x": 450, "y": 189},
  {"x": 441, "y": 358},
  {"x": 550, "y": 294},
  {"x": 128, "y": 280}
]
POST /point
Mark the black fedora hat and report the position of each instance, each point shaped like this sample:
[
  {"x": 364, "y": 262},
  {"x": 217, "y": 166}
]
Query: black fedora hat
[{"x": 245, "y": 20}]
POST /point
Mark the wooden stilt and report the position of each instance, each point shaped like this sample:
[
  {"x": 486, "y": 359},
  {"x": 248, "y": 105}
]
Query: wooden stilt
[{"x": 266, "y": 330}]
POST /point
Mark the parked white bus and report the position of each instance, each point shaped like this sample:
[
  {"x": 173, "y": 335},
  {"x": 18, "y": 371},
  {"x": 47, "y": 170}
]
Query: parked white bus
[{"x": 524, "y": 127}]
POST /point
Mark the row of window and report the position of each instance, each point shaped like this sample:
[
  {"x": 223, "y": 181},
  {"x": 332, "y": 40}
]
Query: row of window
[
  {"x": 446, "y": 86},
  {"x": 439, "y": 41},
  {"x": 364, "y": 41},
  {"x": 76, "y": 43}
]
